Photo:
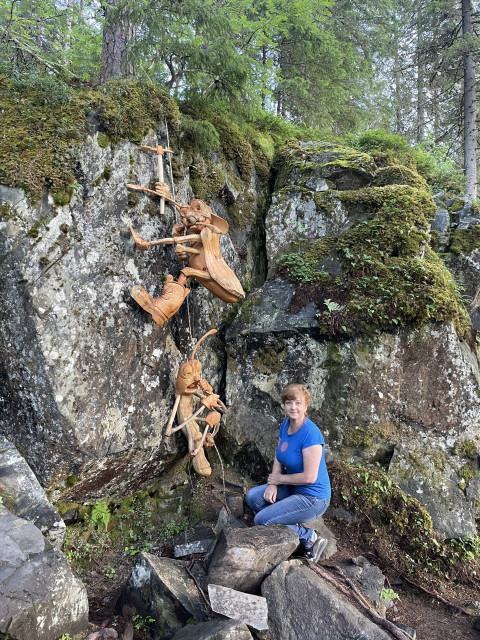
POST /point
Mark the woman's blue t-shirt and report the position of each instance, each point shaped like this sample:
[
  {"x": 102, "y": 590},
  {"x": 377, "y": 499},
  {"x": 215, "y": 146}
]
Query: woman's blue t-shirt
[{"x": 289, "y": 454}]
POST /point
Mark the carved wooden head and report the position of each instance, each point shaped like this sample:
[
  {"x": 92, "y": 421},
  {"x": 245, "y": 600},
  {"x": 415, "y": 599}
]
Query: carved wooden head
[
  {"x": 190, "y": 372},
  {"x": 196, "y": 211},
  {"x": 189, "y": 375}
]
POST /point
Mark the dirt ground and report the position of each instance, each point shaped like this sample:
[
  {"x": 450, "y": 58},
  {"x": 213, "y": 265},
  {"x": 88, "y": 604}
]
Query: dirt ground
[{"x": 427, "y": 614}]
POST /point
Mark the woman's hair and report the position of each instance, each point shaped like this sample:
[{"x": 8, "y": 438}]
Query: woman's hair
[{"x": 291, "y": 391}]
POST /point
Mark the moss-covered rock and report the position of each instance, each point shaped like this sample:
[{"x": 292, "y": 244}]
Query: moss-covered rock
[
  {"x": 398, "y": 174},
  {"x": 465, "y": 240},
  {"x": 43, "y": 122}
]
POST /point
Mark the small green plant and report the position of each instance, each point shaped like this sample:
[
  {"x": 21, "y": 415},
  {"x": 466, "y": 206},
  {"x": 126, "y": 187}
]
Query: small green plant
[
  {"x": 66, "y": 636},
  {"x": 101, "y": 515},
  {"x": 172, "y": 528},
  {"x": 140, "y": 622},
  {"x": 332, "y": 306},
  {"x": 389, "y": 595},
  {"x": 133, "y": 550},
  {"x": 109, "y": 572}
]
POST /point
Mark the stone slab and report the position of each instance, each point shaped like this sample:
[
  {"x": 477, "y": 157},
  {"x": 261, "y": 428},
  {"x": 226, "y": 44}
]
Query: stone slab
[{"x": 252, "y": 610}]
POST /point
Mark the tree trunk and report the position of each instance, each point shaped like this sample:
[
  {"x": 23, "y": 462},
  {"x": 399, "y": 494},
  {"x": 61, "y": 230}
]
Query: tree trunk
[
  {"x": 117, "y": 33},
  {"x": 420, "y": 134},
  {"x": 470, "y": 107}
]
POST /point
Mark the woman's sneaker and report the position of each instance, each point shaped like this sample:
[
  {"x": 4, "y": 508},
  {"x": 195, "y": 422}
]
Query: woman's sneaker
[{"x": 315, "y": 548}]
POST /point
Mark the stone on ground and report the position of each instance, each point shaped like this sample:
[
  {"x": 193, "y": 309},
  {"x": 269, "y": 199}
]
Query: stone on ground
[
  {"x": 251, "y": 610},
  {"x": 161, "y": 588},
  {"x": 215, "y": 630},
  {"x": 25, "y": 497},
  {"x": 244, "y": 557},
  {"x": 40, "y": 598},
  {"x": 196, "y": 540}
]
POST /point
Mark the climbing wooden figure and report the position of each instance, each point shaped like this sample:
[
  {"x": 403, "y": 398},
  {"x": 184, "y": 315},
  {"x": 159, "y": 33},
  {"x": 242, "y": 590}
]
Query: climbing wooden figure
[
  {"x": 201, "y": 230},
  {"x": 190, "y": 385}
]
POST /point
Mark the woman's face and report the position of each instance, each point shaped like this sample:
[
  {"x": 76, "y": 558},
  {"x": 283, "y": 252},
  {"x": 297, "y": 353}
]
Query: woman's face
[{"x": 296, "y": 409}]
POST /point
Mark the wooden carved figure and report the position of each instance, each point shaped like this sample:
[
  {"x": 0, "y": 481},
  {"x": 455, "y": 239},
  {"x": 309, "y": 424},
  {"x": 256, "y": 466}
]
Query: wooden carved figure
[
  {"x": 201, "y": 230},
  {"x": 190, "y": 385}
]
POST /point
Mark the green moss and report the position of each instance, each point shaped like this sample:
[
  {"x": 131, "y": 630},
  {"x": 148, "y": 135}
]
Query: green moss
[
  {"x": 465, "y": 240},
  {"x": 468, "y": 472},
  {"x": 107, "y": 172},
  {"x": 206, "y": 179},
  {"x": 103, "y": 140},
  {"x": 7, "y": 212},
  {"x": 465, "y": 448},
  {"x": 42, "y": 123},
  {"x": 72, "y": 481},
  {"x": 397, "y": 174},
  {"x": 34, "y": 230},
  {"x": 270, "y": 359},
  {"x": 457, "y": 204},
  {"x": 62, "y": 198},
  {"x": 244, "y": 210},
  {"x": 390, "y": 276}
]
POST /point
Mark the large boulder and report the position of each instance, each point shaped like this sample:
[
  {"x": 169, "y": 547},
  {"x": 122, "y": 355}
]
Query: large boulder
[
  {"x": 303, "y": 606},
  {"x": 244, "y": 557},
  {"x": 82, "y": 364},
  {"x": 25, "y": 497},
  {"x": 162, "y": 588},
  {"x": 40, "y": 598},
  {"x": 408, "y": 400}
]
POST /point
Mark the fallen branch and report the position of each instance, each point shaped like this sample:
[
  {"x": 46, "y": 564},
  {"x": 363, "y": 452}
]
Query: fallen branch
[
  {"x": 439, "y": 597},
  {"x": 360, "y": 600},
  {"x": 187, "y": 568}
]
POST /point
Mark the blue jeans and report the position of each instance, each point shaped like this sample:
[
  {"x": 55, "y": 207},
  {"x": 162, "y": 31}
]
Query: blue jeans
[{"x": 290, "y": 509}]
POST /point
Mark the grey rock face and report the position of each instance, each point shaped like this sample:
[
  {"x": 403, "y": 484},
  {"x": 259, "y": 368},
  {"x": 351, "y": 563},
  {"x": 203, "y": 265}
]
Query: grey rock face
[
  {"x": 243, "y": 557},
  {"x": 406, "y": 397},
  {"x": 302, "y": 606},
  {"x": 161, "y": 588},
  {"x": 87, "y": 378},
  {"x": 25, "y": 497},
  {"x": 215, "y": 630},
  {"x": 40, "y": 598}
]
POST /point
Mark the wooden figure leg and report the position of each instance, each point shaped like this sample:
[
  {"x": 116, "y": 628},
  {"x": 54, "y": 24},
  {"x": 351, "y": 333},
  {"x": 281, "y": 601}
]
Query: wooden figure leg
[{"x": 164, "y": 307}]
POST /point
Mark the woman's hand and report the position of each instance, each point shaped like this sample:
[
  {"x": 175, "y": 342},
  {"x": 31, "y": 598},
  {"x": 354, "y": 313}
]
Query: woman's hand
[
  {"x": 274, "y": 478},
  {"x": 270, "y": 494}
]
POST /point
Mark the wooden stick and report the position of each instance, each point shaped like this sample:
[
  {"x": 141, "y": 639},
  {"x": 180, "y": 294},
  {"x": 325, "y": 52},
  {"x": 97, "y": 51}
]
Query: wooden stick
[
  {"x": 159, "y": 150},
  {"x": 168, "y": 430},
  {"x": 192, "y": 417}
]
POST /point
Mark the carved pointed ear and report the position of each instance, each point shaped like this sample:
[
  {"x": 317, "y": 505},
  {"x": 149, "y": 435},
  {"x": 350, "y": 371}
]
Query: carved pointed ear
[{"x": 209, "y": 333}]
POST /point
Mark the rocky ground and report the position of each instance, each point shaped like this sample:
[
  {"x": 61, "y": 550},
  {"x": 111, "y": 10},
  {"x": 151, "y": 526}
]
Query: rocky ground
[{"x": 434, "y": 616}]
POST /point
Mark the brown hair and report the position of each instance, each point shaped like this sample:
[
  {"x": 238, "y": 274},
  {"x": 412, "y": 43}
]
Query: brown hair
[{"x": 291, "y": 391}]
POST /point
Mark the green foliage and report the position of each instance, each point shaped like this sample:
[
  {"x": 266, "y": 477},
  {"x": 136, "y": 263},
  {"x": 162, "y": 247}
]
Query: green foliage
[
  {"x": 43, "y": 118},
  {"x": 200, "y": 135},
  {"x": 101, "y": 514},
  {"x": 389, "y": 595},
  {"x": 170, "y": 529},
  {"x": 139, "y": 622},
  {"x": 430, "y": 160}
]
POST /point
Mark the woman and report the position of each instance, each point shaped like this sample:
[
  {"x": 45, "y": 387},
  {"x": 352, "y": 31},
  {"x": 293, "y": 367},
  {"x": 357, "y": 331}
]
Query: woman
[{"x": 298, "y": 489}]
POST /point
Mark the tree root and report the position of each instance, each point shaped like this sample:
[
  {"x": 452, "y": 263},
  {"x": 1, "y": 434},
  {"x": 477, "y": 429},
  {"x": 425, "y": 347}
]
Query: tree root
[{"x": 360, "y": 599}]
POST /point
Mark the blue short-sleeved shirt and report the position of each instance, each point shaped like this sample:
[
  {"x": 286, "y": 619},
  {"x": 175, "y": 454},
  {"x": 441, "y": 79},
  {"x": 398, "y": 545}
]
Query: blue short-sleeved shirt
[{"x": 289, "y": 454}]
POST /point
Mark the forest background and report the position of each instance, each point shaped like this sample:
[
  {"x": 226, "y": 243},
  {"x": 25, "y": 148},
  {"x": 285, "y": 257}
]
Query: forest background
[{"x": 318, "y": 69}]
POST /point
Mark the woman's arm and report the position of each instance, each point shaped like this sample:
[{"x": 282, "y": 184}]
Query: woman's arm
[
  {"x": 270, "y": 493},
  {"x": 311, "y": 462}
]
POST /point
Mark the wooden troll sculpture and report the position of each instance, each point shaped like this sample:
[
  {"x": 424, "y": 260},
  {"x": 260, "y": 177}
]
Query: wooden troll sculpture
[
  {"x": 190, "y": 385},
  {"x": 203, "y": 257}
]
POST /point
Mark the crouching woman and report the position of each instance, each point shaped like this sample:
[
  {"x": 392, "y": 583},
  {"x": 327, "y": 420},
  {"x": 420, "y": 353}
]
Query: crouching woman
[{"x": 298, "y": 489}]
